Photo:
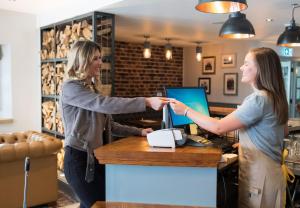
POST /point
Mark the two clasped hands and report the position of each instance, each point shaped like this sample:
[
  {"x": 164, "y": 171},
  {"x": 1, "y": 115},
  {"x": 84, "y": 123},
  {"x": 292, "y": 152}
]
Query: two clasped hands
[{"x": 157, "y": 103}]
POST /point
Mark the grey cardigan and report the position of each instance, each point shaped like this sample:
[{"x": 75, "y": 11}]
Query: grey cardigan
[{"x": 84, "y": 115}]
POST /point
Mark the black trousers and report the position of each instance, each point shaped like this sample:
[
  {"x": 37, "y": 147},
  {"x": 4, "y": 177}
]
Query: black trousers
[{"x": 75, "y": 162}]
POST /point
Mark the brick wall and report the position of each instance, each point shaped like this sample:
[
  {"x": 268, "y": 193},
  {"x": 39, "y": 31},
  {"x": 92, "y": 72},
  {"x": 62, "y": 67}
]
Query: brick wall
[{"x": 137, "y": 76}]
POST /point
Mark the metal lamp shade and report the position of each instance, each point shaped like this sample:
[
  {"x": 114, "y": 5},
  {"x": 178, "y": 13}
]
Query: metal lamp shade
[
  {"x": 221, "y": 6},
  {"x": 290, "y": 37},
  {"x": 237, "y": 26}
]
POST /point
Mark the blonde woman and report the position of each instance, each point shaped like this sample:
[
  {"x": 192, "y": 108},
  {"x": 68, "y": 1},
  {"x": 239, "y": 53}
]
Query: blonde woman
[
  {"x": 261, "y": 120},
  {"x": 88, "y": 123}
]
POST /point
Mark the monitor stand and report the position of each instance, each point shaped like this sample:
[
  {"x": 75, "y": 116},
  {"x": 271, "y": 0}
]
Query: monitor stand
[{"x": 166, "y": 122}]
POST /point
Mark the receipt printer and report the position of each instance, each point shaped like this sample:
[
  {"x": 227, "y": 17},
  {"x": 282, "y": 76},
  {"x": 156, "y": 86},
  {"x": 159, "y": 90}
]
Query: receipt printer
[{"x": 166, "y": 138}]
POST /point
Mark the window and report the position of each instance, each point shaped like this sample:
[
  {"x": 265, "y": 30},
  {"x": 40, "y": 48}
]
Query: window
[{"x": 5, "y": 82}]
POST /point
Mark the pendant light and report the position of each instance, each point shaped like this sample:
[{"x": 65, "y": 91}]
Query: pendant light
[
  {"x": 198, "y": 52},
  {"x": 237, "y": 26},
  {"x": 147, "y": 48},
  {"x": 291, "y": 35},
  {"x": 168, "y": 49},
  {"x": 221, "y": 6}
]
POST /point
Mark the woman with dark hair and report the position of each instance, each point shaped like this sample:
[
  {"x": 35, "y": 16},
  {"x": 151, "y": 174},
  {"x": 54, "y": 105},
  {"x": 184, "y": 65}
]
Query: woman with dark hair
[
  {"x": 88, "y": 123},
  {"x": 261, "y": 120}
]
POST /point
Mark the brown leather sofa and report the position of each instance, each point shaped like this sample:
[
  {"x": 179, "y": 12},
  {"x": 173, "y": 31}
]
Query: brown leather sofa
[{"x": 42, "y": 179}]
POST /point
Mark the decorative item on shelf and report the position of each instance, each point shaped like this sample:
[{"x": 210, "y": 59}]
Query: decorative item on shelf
[
  {"x": 198, "y": 52},
  {"x": 221, "y": 6},
  {"x": 204, "y": 82},
  {"x": 209, "y": 65},
  {"x": 237, "y": 26},
  {"x": 291, "y": 35},
  {"x": 168, "y": 49},
  {"x": 228, "y": 60},
  {"x": 147, "y": 47},
  {"x": 230, "y": 84}
]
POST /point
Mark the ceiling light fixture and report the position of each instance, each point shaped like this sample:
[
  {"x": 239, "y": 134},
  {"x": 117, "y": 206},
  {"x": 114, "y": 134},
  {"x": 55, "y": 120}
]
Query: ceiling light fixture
[
  {"x": 147, "y": 48},
  {"x": 221, "y": 6},
  {"x": 269, "y": 20},
  {"x": 237, "y": 26},
  {"x": 291, "y": 35},
  {"x": 198, "y": 52},
  {"x": 168, "y": 49}
]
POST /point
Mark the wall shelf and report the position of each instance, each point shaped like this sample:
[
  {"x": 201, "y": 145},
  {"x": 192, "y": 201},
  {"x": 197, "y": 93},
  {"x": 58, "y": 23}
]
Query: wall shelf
[{"x": 56, "y": 41}]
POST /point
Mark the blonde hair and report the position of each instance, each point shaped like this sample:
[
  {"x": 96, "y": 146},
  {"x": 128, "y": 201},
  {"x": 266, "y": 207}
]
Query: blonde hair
[
  {"x": 269, "y": 78},
  {"x": 80, "y": 57}
]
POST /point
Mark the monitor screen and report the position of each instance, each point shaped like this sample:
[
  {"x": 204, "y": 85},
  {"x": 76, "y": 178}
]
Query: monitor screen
[{"x": 193, "y": 97}]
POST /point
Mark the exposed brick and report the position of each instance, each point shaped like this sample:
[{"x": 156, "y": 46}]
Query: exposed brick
[{"x": 136, "y": 76}]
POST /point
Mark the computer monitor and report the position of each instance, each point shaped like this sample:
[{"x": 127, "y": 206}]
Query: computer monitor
[{"x": 193, "y": 97}]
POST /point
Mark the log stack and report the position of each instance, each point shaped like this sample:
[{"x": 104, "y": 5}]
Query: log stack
[
  {"x": 65, "y": 37},
  {"x": 48, "y": 45},
  {"x": 48, "y": 115},
  {"x": 60, "y": 76},
  {"x": 58, "y": 120},
  {"x": 48, "y": 84},
  {"x": 60, "y": 157}
]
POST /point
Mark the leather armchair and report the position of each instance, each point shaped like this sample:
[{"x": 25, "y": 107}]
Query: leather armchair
[{"x": 42, "y": 179}]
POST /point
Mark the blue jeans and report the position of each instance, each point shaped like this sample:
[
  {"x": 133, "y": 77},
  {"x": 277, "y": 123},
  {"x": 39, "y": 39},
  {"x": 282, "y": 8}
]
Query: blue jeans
[{"x": 75, "y": 162}]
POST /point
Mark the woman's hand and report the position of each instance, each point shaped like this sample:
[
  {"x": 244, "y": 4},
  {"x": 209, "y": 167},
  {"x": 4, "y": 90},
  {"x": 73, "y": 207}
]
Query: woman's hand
[
  {"x": 156, "y": 103},
  {"x": 146, "y": 131},
  {"x": 178, "y": 107}
]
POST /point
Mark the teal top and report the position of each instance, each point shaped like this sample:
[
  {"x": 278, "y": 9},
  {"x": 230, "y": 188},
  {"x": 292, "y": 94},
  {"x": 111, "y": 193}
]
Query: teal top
[{"x": 261, "y": 124}]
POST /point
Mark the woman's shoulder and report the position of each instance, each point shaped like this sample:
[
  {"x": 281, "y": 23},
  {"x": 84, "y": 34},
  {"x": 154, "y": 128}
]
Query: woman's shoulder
[
  {"x": 258, "y": 97},
  {"x": 72, "y": 83}
]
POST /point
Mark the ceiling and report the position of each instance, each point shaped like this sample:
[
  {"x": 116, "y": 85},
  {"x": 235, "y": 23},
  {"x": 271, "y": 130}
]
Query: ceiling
[{"x": 175, "y": 19}]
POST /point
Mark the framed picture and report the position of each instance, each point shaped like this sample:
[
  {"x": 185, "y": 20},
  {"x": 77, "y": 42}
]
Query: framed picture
[
  {"x": 204, "y": 82},
  {"x": 209, "y": 65},
  {"x": 230, "y": 83},
  {"x": 228, "y": 60}
]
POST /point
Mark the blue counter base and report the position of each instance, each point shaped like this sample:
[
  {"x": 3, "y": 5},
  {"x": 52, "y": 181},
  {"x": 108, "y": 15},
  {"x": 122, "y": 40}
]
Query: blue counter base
[{"x": 189, "y": 186}]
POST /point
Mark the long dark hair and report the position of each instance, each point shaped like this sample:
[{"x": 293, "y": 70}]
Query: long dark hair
[{"x": 269, "y": 78}]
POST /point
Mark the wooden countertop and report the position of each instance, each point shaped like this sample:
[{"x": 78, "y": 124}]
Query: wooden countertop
[
  {"x": 136, "y": 151},
  {"x": 223, "y": 111},
  {"x": 101, "y": 204}
]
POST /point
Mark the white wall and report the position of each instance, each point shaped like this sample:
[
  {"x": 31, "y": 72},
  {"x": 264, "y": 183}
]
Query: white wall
[
  {"x": 20, "y": 32},
  {"x": 193, "y": 69}
]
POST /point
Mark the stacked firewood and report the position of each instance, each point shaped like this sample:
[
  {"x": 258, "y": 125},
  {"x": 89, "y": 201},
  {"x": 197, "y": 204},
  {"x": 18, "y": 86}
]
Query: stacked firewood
[
  {"x": 58, "y": 121},
  {"x": 48, "y": 114},
  {"x": 60, "y": 75},
  {"x": 104, "y": 27},
  {"x": 48, "y": 85},
  {"x": 60, "y": 158},
  {"x": 68, "y": 35},
  {"x": 105, "y": 51},
  {"x": 48, "y": 45}
]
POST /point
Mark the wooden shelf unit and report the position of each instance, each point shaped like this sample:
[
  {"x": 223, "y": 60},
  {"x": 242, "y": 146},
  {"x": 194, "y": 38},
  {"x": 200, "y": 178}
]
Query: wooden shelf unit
[{"x": 56, "y": 41}]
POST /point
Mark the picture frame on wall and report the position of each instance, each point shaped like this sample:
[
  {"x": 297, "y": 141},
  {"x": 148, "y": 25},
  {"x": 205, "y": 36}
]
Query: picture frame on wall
[
  {"x": 228, "y": 60},
  {"x": 230, "y": 86},
  {"x": 209, "y": 65},
  {"x": 205, "y": 83}
]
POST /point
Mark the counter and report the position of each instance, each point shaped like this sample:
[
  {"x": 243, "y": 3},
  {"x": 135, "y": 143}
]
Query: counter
[{"x": 137, "y": 173}]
